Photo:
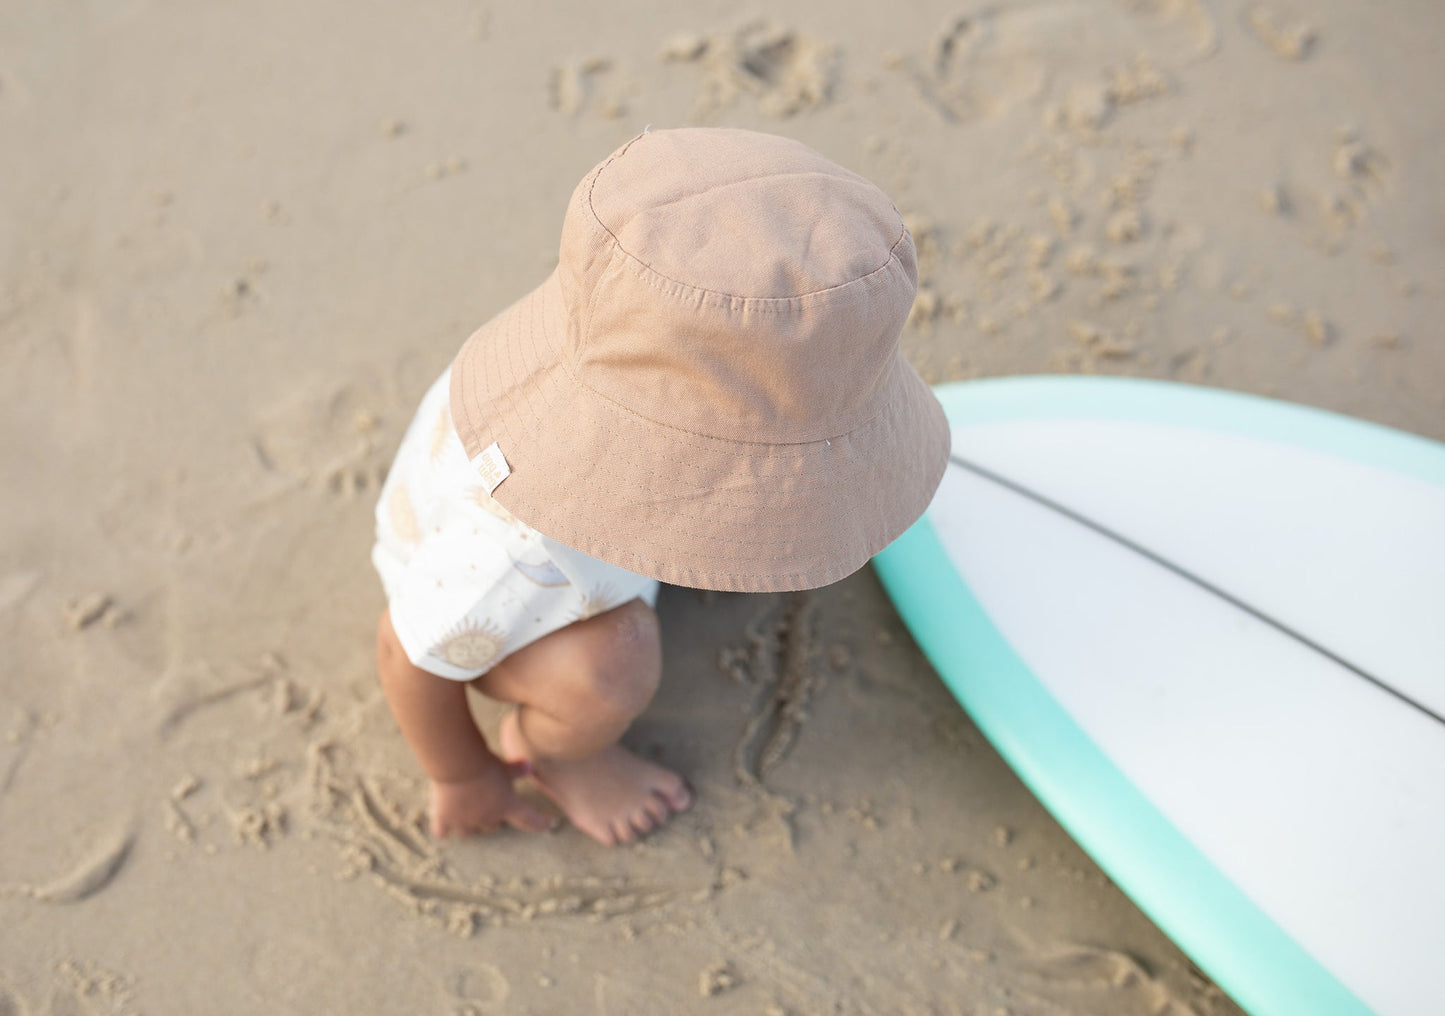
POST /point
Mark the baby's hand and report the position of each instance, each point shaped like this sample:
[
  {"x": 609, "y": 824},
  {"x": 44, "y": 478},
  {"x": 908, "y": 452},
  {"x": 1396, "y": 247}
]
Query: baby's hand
[{"x": 483, "y": 803}]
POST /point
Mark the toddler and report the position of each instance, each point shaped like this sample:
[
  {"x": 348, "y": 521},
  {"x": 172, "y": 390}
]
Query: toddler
[{"x": 707, "y": 391}]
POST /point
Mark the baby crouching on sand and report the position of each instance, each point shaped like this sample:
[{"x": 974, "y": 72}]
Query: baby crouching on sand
[{"x": 707, "y": 391}]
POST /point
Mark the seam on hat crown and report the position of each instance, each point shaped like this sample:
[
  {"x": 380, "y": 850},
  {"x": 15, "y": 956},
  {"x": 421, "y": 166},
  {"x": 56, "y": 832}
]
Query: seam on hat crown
[
  {"x": 597, "y": 257},
  {"x": 618, "y": 245},
  {"x": 844, "y": 175},
  {"x": 752, "y": 304}
]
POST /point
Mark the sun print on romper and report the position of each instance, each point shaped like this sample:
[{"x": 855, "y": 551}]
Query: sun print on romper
[
  {"x": 402, "y": 515},
  {"x": 597, "y": 600},
  {"x": 471, "y": 645}
]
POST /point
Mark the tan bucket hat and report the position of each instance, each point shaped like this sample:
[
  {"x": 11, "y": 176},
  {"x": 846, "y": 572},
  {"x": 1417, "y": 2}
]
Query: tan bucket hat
[{"x": 708, "y": 390}]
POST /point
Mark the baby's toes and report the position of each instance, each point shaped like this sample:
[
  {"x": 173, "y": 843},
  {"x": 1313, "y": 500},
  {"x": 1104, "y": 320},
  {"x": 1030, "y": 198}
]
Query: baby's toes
[
  {"x": 622, "y": 832},
  {"x": 654, "y": 811},
  {"x": 675, "y": 793},
  {"x": 643, "y": 823}
]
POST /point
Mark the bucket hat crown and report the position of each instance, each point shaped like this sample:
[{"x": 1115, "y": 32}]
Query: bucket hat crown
[{"x": 708, "y": 390}]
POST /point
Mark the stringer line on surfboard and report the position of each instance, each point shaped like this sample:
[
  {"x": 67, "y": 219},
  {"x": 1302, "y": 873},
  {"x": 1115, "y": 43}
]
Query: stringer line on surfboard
[{"x": 1189, "y": 576}]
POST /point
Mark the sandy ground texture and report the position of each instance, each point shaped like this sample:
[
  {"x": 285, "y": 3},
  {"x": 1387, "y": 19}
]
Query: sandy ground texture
[{"x": 237, "y": 241}]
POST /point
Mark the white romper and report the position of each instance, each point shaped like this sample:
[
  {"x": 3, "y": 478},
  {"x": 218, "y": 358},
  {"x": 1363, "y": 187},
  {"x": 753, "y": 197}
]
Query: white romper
[{"x": 467, "y": 582}]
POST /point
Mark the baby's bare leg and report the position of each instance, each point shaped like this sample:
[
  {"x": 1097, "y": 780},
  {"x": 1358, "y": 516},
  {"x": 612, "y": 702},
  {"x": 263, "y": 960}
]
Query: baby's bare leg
[
  {"x": 577, "y": 691},
  {"x": 471, "y": 790}
]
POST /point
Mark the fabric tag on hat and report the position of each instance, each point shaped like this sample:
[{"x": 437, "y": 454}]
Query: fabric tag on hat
[{"x": 492, "y": 467}]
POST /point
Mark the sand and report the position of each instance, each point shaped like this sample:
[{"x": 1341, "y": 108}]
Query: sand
[{"x": 238, "y": 241}]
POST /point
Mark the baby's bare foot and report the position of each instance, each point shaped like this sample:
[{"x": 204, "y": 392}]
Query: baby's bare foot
[{"x": 612, "y": 796}]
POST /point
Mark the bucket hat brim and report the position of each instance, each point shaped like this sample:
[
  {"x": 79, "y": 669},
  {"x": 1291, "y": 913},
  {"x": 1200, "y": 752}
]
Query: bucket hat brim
[{"x": 683, "y": 507}]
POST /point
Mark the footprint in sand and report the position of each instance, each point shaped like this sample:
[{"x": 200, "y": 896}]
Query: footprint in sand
[
  {"x": 981, "y": 66},
  {"x": 984, "y": 65},
  {"x": 785, "y": 71},
  {"x": 87, "y": 988},
  {"x": 326, "y": 434},
  {"x": 480, "y": 987},
  {"x": 1358, "y": 163},
  {"x": 578, "y": 86},
  {"x": 1361, "y": 174},
  {"x": 1076, "y": 972},
  {"x": 1286, "y": 37}
]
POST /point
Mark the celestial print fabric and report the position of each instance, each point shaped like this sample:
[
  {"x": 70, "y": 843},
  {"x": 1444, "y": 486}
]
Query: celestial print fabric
[{"x": 468, "y": 583}]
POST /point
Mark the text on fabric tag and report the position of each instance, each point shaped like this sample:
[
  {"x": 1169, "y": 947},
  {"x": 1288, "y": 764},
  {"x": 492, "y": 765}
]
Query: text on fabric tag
[{"x": 492, "y": 466}]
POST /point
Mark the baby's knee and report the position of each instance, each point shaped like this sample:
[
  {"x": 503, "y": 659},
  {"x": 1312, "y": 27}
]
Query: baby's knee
[{"x": 620, "y": 657}]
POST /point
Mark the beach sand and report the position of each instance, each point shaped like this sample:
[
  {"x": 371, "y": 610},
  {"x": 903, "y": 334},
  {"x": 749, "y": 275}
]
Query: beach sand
[{"x": 238, "y": 241}]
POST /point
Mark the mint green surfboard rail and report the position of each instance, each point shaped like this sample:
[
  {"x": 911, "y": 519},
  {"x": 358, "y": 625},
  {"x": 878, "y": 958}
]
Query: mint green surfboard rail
[{"x": 1221, "y": 930}]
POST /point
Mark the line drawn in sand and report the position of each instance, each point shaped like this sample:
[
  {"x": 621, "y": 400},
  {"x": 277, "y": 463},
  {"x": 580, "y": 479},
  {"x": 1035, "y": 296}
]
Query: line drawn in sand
[
  {"x": 196, "y": 689},
  {"x": 1075, "y": 975},
  {"x": 96, "y": 870},
  {"x": 379, "y": 838},
  {"x": 781, "y": 658}
]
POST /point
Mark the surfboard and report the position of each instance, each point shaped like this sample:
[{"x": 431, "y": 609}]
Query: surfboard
[{"x": 1207, "y": 630}]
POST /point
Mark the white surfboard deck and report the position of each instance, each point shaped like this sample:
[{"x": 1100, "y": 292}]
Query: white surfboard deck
[{"x": 1208, "y": 630}]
